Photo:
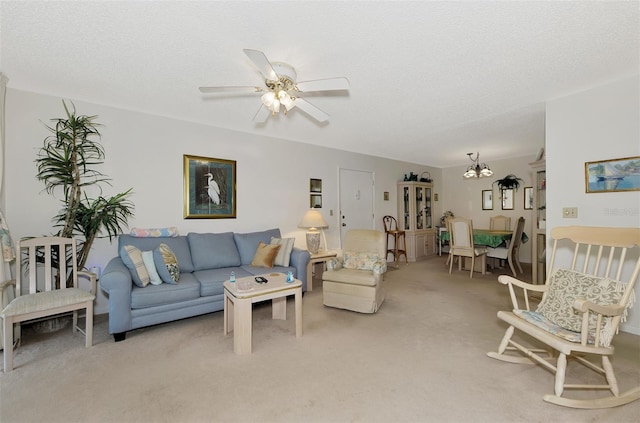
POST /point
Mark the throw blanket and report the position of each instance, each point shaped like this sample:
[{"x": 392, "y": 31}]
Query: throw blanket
[{"x": 171, "y": 231}]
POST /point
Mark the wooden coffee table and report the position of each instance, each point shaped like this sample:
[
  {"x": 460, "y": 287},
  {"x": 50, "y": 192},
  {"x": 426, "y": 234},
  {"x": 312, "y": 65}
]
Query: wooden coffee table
[{"x": 238, "y": 306}]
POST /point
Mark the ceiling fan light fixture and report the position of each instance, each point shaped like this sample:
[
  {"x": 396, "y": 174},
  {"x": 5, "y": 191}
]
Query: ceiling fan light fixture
[
  {"x": 286, "y": 100},
  {"x": 271, "y": 102},
  {"x": 477, "y": 169},
  {"x": 282, "y": 89}
]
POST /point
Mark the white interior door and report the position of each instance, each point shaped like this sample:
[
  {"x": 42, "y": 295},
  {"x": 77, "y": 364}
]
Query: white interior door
[{"x": 356, "y": 201}]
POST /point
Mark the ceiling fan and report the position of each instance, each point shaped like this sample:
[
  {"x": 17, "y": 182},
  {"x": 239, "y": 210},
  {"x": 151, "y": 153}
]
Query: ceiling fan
[{"x": 281, "y": 88}]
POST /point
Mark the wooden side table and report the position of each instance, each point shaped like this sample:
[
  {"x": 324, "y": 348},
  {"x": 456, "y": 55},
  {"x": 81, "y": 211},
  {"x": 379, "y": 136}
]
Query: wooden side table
[
  {"x": 319, "y": 257},
  {"x": 238, "y": 307}
]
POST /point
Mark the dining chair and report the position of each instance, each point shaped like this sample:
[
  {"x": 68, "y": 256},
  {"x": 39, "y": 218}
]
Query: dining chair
[
  {"x": 42, "y": 288},
  {"x": 447, "y": 225},
  {"x": 500, "y": 223},
  {"x": 398, "y": 235},
  {"x": 510, "y": 253},
  {"x": 462, "y": 245}
]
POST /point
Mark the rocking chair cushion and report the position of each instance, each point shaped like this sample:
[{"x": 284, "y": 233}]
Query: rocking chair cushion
[
  {"x": 542, "y": 322},
  {"x": 566, "y": 286}
]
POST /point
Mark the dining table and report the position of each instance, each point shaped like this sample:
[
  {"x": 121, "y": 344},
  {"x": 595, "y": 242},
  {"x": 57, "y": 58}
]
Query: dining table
[{"x": 484, "y": 237}]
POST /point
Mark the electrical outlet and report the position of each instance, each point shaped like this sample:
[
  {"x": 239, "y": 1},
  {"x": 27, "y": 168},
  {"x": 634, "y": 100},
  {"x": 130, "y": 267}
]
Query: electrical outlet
[{"x": 570, "y": 212}]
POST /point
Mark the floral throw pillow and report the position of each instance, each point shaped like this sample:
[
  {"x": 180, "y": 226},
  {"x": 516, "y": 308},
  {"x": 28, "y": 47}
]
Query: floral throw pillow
[{"x": 360, "y": 261}]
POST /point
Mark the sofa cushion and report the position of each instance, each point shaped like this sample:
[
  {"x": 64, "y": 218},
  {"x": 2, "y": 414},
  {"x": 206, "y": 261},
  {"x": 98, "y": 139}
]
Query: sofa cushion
[
  {"x": 155, "y": 295},
  {"x": 179, "y": 245},
  {"x": 248, "y": 243},
  {"x": 132, "y": 258},
  {"x": 265, "y": 255},
  {"x": 282, "y": 259},
  {"x": 167, "y": 264},
  {"x": 350, "y": 276},
  {"x": 212, "y": 280},
  {"x": 213, "y": 251}
]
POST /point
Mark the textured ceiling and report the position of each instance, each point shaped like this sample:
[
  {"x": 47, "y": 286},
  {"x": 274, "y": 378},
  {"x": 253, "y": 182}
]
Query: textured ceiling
[{"x": 430, "y": 81}]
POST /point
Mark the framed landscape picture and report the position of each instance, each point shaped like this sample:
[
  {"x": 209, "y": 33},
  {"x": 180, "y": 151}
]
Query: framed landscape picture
[
  {"x": 612, "y": 175},
  {"x": 209, "y": 188}
]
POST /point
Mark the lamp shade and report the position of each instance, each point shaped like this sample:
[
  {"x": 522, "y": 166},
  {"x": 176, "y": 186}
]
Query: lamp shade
[{"x": 313, "y": 219}]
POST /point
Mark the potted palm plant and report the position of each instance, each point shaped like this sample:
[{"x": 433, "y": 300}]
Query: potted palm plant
[{"x": 66, "y": 164}]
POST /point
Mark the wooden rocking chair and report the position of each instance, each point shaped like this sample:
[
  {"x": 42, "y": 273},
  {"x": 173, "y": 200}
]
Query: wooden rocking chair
[{"x": 578, "y": 322}]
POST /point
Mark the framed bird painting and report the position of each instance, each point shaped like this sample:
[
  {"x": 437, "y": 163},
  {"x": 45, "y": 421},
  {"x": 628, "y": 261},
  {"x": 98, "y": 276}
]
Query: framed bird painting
[{"x": 209, "y": 188}]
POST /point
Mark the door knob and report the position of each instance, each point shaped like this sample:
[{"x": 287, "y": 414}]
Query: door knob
[{"x": 344, "y": 224}]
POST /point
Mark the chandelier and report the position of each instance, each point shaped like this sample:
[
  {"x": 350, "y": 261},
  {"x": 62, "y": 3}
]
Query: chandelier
[{"x": 477, "y": 169}]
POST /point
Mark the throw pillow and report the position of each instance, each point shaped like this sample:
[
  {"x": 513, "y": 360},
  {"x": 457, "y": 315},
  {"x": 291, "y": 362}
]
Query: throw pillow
[
  {"x": 166, "y": 264},
  {"x": 284, "y": 255},
  {"x": 132, "y": 258},
  {"x": 607, "y": 292},
  {"x": 265, "y": 255},
  {"x": 565, "y": 286},
  {"x": 154, "y": 278},
  {"x": 360, "y": 261}
]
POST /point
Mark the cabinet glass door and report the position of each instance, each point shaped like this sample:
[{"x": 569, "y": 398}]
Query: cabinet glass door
[
  {"x": 419, "y": 200},
  {"x": 541, "y": 200},
  {"x": 405, "y": 209}
]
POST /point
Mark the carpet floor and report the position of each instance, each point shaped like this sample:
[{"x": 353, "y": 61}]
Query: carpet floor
[{"x": 421, "y": 358}]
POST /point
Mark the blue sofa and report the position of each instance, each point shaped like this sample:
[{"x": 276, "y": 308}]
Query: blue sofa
[{"x": 205, "y": 260}]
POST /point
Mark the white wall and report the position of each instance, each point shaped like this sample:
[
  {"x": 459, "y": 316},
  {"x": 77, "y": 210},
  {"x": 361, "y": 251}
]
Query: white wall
[
  {"x": 145, "y": 152},
  {"x": 464, "y": 196},
  {"x": 598, "y": 124}
]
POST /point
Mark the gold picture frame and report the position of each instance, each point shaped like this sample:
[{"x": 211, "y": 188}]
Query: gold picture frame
[
  {"x": 614, "y": 175},
  {"x": 209, "y": 188}
]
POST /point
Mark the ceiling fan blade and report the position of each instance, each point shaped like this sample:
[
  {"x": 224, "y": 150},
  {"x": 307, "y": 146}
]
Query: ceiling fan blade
[
  {"x": 262, "y": 114},
  {"x": 235, "y": 89},
  {"x": 311, "y": 110},
  {"x": 329, "y": 84},
  {"x": 261, "y": 61}
]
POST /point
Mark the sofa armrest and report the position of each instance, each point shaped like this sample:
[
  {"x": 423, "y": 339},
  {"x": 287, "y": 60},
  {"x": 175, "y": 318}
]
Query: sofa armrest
[
  {"x": 116, "y": 282},
  {"x": 300, "y": 259}
]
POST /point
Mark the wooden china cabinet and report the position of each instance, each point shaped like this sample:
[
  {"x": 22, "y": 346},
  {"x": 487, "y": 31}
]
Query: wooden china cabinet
[{"x": 415, "y": 216}]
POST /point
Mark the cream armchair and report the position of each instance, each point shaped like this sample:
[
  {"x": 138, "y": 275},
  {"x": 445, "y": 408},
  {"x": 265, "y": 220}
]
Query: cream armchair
[{"x": 353, "y": 280}]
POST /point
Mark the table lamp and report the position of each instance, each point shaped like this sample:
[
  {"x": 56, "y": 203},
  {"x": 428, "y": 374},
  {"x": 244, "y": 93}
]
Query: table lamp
[{"x": 313, "y": 221}]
